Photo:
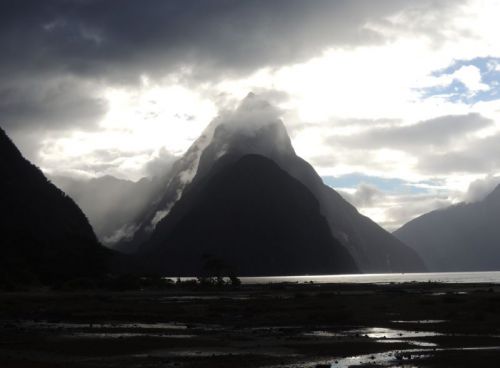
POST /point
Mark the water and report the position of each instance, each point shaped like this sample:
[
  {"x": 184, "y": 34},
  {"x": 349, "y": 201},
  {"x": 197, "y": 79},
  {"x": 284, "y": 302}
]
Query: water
[
  {"x": 382, "y": 335},
  {"x": 389, "y": 333},
  {"x": 405, "y": 358},
  {"x": 492, "y": 277},
  {"x": 375, "y": 333},
  {"x": 107, "y": 326},
  {"x": 401, "y": 358},
  {"x": 421, "y": 321}
]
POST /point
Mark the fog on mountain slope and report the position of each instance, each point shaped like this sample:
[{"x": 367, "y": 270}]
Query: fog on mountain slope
[
  {"x": 254, "y": 128},
  {"x": 481, "y": 188},
  {"x": 44, "y": 235},
  {"x": 113, "y": 206},
  {"x": 463, "y": 237}
]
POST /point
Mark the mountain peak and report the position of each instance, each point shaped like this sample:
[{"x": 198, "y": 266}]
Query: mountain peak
[
  {"x": 255, "y": 128},
  {"x": 252, "y": 114},
  {"x": 252, "y": 216}
]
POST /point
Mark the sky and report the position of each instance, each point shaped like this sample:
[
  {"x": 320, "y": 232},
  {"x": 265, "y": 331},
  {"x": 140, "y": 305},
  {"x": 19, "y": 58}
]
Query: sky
[{"x": 396, "y": 103}]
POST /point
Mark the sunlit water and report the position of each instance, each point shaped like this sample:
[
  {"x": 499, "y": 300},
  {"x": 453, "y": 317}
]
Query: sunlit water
[
  {"x": 444, "y": 277},
  {"x": 416, "y": 345}
]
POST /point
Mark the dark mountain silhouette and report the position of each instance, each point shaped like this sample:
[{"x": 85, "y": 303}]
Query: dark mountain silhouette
[
  {"x": 463, "y": 237},
  {"x": 254, "y": 129},
  {"x": 113, "y": 206},
  {"x": 252, "y": 216},
  {"x": 44, "y": 235}
]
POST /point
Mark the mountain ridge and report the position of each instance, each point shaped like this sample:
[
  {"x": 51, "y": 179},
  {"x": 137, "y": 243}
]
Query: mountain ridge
[
  {"x": 462, "y": 237},
  {"x": 45, "y": 235},
  {"x": 252, "y": 216},
  {"x": 239, "y": 133}
]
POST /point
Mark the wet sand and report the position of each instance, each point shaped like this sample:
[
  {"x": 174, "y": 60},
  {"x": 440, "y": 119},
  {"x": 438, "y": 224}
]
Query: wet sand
[{"x": 279, "y": 325}]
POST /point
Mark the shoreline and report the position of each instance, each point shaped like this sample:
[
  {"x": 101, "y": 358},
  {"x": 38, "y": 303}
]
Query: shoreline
[{"x": 458, "y": 277}]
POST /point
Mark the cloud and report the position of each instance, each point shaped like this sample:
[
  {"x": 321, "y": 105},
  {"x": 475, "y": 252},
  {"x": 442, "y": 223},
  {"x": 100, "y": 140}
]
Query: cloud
[
  {"x": 479, "y": 156},
  {"x": 468, "y": 80},
  {"x": 253, "y": 113},
  {"x": 392, "y": 210},
  {"x": 123, "y": 40},
  {"x": 124, "y": 233},
  {"x": 58, "y": 56},
  {"x": 50, "y": 104},
  {"x": 470, "y": 76},
  {"x": 361, "y": 78},
  {"x": 323, "y": 160},
  {"x": 160, "y": 164},
  {"x": 406, "y": 208},
  {"x": 366, "y": 195},
  {"x": 434, "y": 133},
  {"x": 384, "y": 184},
  {"x": 93, "y": 163},
  {"x": 112, "y": 205},
  {"x": 120, "y": 43},
  {"x": 479, "y": 189}
]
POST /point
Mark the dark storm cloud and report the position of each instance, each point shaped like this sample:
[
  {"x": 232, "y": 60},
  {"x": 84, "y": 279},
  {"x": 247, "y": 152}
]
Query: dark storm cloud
[
  {"x": 49, "y": 104},
  {"x": 120, "y": 39},
  {"x": 434, "y": 133},
  {"x": 91, "y": 43}
]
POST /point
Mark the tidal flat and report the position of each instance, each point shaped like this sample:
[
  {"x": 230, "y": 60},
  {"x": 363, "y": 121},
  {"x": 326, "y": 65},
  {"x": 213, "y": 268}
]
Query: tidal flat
[{"x": 274, "y": 325}]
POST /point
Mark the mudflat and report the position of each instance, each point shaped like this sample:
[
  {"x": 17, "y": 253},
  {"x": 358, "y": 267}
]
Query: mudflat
[{"x": 279, "y": 325}]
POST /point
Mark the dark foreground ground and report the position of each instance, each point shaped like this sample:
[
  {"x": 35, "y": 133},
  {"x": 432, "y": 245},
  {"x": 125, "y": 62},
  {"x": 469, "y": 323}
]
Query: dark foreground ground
[{"x": 414, "y": 325}]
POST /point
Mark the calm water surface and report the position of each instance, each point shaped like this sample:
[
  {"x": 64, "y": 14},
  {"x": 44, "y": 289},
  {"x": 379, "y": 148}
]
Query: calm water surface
[{"x": 445, "y": 277}]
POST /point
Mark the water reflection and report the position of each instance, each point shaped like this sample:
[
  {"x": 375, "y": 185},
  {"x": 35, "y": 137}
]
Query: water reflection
[
  {"x": 421, "y": 321},
  {"x": 441, "y": 277},
  {"x": 107, "y": 325},
  {"x": 375, "y": 333}
]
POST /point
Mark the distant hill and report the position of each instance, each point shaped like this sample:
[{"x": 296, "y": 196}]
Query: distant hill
[
  {"x": 254, "y": 218},
  {"x": 112, "y": 205},
  {"x": 43, "y": 233},
  {"x": 463, "y": 237},
  {"x": 253, "y": 129}
]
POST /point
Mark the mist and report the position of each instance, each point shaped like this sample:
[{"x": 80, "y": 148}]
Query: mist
[{"x": 112, "y": 205}]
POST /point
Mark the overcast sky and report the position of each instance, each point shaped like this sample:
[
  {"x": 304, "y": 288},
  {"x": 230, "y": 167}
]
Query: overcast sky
[{"x": 396, "y": 103}]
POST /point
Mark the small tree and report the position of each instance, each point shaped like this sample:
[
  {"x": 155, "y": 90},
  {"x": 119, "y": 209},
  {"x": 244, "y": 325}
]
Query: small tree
[
  {"x": 215, "y": 270},
  {"x": 235, "y": 281}
]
